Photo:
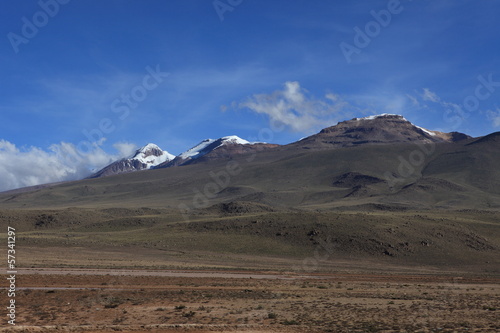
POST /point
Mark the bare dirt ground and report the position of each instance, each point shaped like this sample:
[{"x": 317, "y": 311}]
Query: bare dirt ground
[
  {"x": 234, "y": 301},
  {"x": 145, "y": 271}
]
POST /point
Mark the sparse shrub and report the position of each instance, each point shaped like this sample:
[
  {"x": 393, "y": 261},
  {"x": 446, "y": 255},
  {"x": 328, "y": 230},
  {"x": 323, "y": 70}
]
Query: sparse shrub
[
  {"x": 489, "y": 308},
  {"x": 112, "y": 302},
  {"x": 189, "y": 314},
  {"x": 180, "y": 307},
  {"x": 272, "y": 315}
]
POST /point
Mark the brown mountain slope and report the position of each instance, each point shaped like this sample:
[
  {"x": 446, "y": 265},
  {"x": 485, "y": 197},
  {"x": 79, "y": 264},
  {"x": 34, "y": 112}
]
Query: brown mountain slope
[{"x": 382, "y": 129}]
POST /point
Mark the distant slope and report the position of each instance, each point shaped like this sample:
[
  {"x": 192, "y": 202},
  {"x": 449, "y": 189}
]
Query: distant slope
[{"x": 492, "y": 139}]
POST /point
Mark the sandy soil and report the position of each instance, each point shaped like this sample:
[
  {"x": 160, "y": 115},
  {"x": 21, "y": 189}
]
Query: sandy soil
[{"x": 203, "y": 301}]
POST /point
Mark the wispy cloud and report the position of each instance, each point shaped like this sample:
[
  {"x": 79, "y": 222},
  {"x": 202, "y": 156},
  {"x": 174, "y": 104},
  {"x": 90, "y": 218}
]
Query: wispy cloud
[
  {"x": 453, "y": 114},
  {"x": 31, "y": 166},
  {"x": 295, "y": 108},
  {"x": 428, "y": 95},
  {"x": 494, "y": 117}
]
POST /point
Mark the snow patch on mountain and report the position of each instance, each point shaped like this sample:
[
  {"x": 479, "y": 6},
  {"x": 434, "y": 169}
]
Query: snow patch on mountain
[
  {"x": 235, "y": 140},
  {"x": 383, "y": 115},
  {"x": 208, "y": 145},
  {"x": 196, "y": 150},
  {"x": 387, "y": 115},
  {"x": 425, "y": 130}
]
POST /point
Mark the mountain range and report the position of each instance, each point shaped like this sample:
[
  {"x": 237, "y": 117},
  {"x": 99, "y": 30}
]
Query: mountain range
[
  {"x": 153, "y": 157},
  {"x": 382, "y": 160},
  {"x": 379, "y": 129}
]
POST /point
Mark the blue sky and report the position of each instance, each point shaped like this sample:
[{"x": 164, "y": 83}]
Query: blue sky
[{"x": 263, "y": 70}]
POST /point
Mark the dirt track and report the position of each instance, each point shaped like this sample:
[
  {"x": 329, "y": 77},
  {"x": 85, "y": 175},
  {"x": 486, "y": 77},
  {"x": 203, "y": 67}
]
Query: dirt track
[
  {"x": 163, "y": 273},
  {"x": 233, "y": 274}
]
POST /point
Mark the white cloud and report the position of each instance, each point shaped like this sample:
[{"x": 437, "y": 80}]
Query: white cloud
[
  {"x": 430, "y": 96},
  {"x": 414, "y": 100},
  {"x": 125, "y": 149},
  {"x": 494, "y": 116},
  {"x": 62, "y": 162},
  {"x": 295, "y": 108}
]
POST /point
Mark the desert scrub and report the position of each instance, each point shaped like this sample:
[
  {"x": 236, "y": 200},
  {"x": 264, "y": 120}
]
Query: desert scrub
[{"x": 272, "y": 315}]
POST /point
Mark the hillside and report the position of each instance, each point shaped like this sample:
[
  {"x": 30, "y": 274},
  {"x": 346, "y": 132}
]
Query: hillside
[
  {"x": 430, "y": 203},
  {"x": 454, "y": 175}
]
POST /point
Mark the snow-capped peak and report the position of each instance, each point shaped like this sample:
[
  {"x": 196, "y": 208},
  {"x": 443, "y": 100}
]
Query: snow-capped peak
[
  {"x": 148, "y": 147},
  {"x": 152, "y": 155},
  {"x": 383, "y": 115},
  {"x": 386, "y": 115},
  {"x": 234, "y": 140},
  {"x": 144, "y": 158}
]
